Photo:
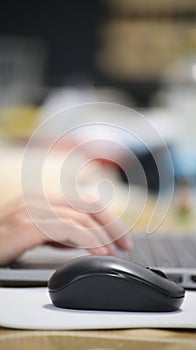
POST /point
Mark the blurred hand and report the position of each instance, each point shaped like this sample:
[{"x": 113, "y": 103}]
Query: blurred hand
[{"x": 61, "y": 225}]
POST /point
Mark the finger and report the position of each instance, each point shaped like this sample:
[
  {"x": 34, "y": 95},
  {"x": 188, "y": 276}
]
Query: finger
[
  {"x": 76, "y": 234},
  {"x": 104, "y": 219},
  {"x": 99, "y": 251},
  {"x": 71, "y": 233},
  {"x": 115, "y": 228},
  {"x": 88, "y": 222}
]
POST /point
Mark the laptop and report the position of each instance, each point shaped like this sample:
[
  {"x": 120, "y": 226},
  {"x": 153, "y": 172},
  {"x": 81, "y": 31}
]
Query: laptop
[{"x": 172, "y": 253}]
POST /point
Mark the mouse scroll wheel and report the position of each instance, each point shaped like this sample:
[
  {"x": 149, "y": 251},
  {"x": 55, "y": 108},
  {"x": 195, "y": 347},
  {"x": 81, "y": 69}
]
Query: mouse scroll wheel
[{"x": 158, "y": 272}]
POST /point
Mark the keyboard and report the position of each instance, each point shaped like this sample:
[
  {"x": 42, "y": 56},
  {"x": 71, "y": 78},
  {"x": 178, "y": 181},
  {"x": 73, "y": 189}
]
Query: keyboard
[{"x": 163, "y": 250}]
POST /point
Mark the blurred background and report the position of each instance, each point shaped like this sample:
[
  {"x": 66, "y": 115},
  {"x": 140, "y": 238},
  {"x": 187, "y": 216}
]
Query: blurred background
[
  {"x": 141, "y": 54},
  {"x": 125, "y": 44}
]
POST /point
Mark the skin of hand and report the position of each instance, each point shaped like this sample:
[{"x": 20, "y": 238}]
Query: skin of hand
[{"x": 99, "y": 231}]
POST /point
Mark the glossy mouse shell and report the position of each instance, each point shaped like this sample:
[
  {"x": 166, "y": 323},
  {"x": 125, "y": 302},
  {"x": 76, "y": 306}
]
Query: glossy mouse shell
[{"x": 110, "y": 283}]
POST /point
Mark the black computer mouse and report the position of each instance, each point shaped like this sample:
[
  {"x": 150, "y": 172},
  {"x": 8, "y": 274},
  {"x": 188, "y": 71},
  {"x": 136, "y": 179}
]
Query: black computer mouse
[{"x": 111, "y": 283}]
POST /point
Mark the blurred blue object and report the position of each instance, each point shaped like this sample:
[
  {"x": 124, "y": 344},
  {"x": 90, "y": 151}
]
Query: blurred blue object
[{"x": 184, "y": 159}]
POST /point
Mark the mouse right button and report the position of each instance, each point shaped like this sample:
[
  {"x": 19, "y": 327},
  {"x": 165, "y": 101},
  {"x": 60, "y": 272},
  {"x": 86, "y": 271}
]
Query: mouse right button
[{"x": 158, "y": 272}]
